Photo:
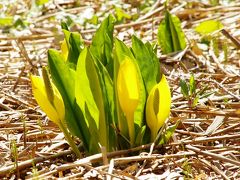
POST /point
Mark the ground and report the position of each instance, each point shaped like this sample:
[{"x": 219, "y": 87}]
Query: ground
[{"x": 205, "y": 144}]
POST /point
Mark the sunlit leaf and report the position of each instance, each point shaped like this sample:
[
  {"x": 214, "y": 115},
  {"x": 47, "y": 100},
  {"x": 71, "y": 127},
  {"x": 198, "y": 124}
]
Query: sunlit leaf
[
  {"x": 208, "y": 27},
  {"x": 64, "y": 79},
  {"x": 89, "y": 93},
  {"x": 192, "y": 85},
  {"x": 147, "y": 61},
  {"x": 75, "y": 47},
  {"x": 170, "y": 35},
  {"x": 41, "y": 2},
  {"x": 6, "y": 21},
  {"x": 102, "y": 44},
  {"x": 120, "y": 14}
]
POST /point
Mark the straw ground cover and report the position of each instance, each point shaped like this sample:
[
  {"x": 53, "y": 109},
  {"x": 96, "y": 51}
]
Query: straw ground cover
[{"x": 206, "y": 141}]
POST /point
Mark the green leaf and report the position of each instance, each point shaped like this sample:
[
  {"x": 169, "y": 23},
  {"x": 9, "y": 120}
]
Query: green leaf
[
  {"x": 147, "y": 61},
  {"x": 6, "y": 21},
  {"x": 140, "y": 136},
  {"x": 89, "y": 93},
  {"x": 109, "y": 103},
  {"x": 192, "y": 85},
  {"x": 168, "y": 133},
  {"x": 120, "y": 14},
  {"x": 75, "y": 47},
  {"x": 94, "y": 20},
  {"x": 102, "y": 44},
  {"x": 184, "y": 88},
  {"x": 208, "y": 27},
  {"x": 64, "y": 26},
  {"x": 41, "y": 2},
  {"x": 195, "y": 101},
  {"x": 170, "y": 35},
  {"x": 64, "y": 79},
  {"x": 19, "y": 22}
]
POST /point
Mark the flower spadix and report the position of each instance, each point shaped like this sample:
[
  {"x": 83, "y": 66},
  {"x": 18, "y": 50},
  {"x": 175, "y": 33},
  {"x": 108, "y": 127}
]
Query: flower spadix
[
  {"x": 48, "y": 97},
  {"x": 158, "y": 106},
  {"x": 128, "y": 88}
]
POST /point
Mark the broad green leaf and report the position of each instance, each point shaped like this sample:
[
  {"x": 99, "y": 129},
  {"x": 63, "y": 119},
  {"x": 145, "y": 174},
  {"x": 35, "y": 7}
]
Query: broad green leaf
[
  {"x": 184, "y": 88},
  {"x": 208, "y": 27},
  {"x": 109, "y": 105},
  {"x": 64, "y": 79},
  {"x": 89, "y": 93},
  {"x": 147, "y": 61},
  {"x": 74, "y": 45},
  {"x": 102, "y": 44},
  {"x": 170, "y": 35}
]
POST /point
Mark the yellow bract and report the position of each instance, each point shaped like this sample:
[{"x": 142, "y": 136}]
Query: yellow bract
[
  {"x": 64, "y": 49},
  {"x": 128, "y": 88},
  {"x": 158, "y": 106},
  {"x": 55, "y": 110}
]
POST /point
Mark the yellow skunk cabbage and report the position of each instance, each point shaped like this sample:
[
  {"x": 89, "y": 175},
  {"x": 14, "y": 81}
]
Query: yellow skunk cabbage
[
  {"x": 50, "y": 100},
  {"x": 52, "y": 106},
  {"x": 158, "y": 106},
  {"x": 64, "y": 49},
  {"x": 128, "y": 89}
]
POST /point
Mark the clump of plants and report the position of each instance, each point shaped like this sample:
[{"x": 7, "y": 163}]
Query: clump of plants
[{"x": 106, "y": 94}]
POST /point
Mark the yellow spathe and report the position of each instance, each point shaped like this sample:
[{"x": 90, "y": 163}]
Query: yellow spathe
[
  {"x": 128, "y": 86},
  {"x": 128, "y": 89},
  {"x": 158, "y": 106},
  {"x": 55, "y": 110},
  {"x": 64, "y": 49}
]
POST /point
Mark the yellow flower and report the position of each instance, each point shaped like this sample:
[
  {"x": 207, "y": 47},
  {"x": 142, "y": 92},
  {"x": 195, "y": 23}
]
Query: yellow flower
[
  {"x": 64, "y": 49},
  {"x": 50, "y": 100},
  {"x": 128, "y": 89},
  {"x": 158, "y": 106},
  {"x": 53, "y": 107}
]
